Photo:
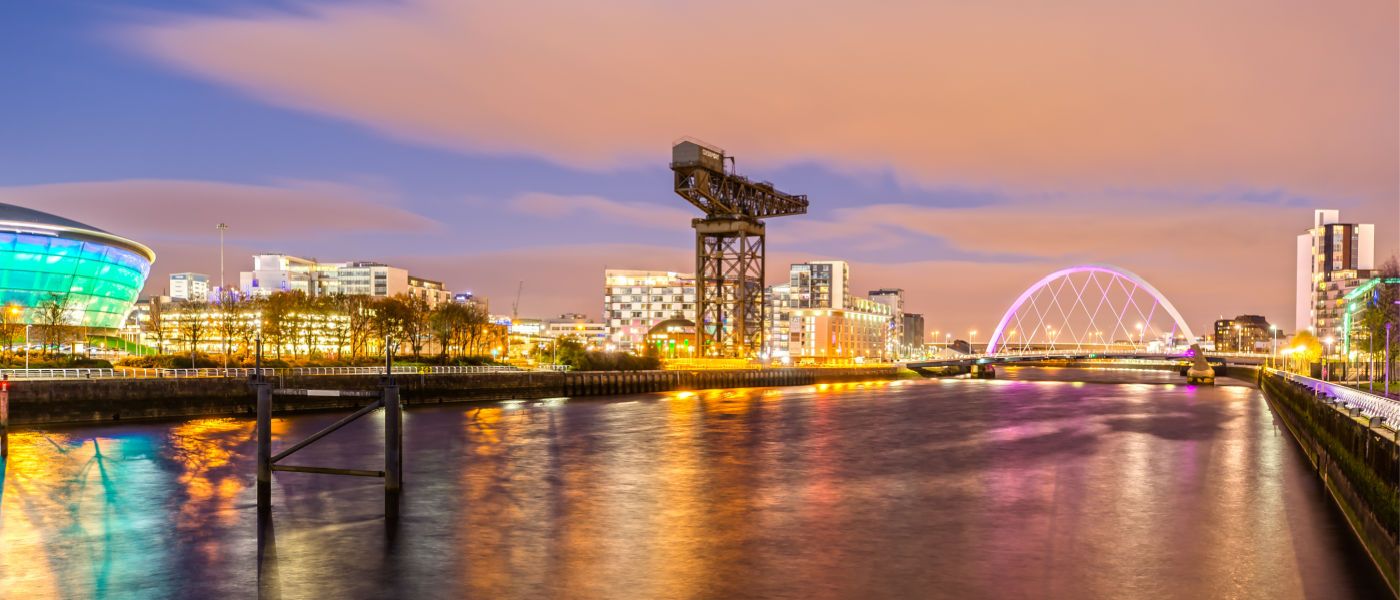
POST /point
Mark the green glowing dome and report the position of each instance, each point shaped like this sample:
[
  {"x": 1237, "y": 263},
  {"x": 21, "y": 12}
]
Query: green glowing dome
[{"x": 44, "y": 257}]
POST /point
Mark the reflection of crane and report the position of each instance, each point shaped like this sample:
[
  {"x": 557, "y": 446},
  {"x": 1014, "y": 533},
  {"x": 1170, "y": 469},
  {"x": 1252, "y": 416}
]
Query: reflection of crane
[
  {"x": 729, "y": 246},
  {"x": 515, "y": 306}
]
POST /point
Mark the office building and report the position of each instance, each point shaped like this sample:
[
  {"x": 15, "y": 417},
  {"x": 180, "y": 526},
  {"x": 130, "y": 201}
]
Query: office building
[
  {"x": 281, "y": 272},
  {"x": 893, "y": 298},
  {"x": 580, "y": 327},
  {"x": 1245, "y": 333},
  {"x": 1333, "y": 258},
  {"x": 855, "y": 334},
  {"x": 190, "y": 287},
  {"x": 913, "y": 335},
  {"x": 820, "y": 284},
  {"x": 634, "y": 301}
]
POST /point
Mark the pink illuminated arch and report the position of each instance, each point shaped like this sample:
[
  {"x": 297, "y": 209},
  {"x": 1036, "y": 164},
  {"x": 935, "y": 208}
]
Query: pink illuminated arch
[{"x": 1126, "y": 280}]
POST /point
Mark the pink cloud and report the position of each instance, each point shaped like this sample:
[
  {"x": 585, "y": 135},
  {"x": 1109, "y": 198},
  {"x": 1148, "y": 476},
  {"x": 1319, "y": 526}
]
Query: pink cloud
[
  {"x": 154, "y": 209},
  {"x": 555, "y": 206},
  {"x": 1199, "y": 92}
]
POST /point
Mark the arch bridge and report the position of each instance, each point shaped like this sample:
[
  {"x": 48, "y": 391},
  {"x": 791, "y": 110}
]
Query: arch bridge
[{"x": 1091, "y": 311}]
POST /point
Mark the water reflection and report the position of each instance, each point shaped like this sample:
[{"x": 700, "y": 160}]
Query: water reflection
[{"x": 1005, "y": 488}]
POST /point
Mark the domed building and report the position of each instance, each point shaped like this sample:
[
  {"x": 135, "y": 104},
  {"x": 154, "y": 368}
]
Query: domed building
[{"x": 45, "y": 257}]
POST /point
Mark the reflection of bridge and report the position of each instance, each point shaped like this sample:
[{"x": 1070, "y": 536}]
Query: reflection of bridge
[{"x": 1088, "y": 312}]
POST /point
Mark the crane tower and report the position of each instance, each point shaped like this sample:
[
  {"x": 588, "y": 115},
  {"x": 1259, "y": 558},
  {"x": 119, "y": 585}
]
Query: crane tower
[{"x": 729, "y": 246}]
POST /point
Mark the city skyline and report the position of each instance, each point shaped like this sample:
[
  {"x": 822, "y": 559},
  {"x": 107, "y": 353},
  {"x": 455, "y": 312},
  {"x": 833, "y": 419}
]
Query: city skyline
[{"x": 141, "y": 120}]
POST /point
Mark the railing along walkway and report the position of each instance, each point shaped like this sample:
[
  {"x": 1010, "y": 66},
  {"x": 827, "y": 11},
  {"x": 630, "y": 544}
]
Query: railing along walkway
[{"x": 1370, "y": 405}]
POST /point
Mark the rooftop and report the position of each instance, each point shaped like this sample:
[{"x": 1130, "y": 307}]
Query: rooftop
[{"x": 10, "y": 212}]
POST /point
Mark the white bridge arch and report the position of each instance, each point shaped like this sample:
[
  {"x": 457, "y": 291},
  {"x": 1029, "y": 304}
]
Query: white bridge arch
[{"x": 1089, "y": 307}]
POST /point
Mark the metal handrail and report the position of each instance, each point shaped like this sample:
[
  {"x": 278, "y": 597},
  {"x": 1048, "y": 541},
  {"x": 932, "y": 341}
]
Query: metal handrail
[{"x": 1369, "y": 404}]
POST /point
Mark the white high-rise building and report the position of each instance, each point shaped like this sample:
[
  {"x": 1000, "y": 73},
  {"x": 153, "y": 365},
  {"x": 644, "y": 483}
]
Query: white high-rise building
[
  {"x": 190, "y": 287},
  {"x": 634, "y": 301},
  {"x": 1333, "y": 258},
  {"x": 893, "y": 298}
]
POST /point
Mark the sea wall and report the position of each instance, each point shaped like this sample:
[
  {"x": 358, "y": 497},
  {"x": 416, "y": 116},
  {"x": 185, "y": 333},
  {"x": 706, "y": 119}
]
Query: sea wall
[
  {"x": 1359, "y": 464},
  {"x": 103, "y": 400}
]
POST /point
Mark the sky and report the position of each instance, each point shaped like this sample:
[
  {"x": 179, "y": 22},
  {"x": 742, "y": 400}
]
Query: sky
[{"x": 958, "y": 150}]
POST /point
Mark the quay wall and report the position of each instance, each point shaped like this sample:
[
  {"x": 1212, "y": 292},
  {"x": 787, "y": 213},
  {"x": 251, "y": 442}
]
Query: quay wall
[
  {"x": 49, "y": 402},
  {"x": 1359, "y": 464}
]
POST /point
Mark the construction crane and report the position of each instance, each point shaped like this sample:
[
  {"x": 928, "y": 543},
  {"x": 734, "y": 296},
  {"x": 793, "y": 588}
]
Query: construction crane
[{"x": 729, "y": 246}]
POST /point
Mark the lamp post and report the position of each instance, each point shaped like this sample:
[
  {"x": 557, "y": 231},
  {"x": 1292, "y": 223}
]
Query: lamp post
[
  {"x": 1274, "y": 354},
  {"x": 26, "y": 346},
  {"x": 972, "y": 342},
  {"x": 1239, "y": 345},
  {"x": 1139, "y": 342},
  {"x": 1327, "y": 349},
  {"x": 1387, "y": 357}
]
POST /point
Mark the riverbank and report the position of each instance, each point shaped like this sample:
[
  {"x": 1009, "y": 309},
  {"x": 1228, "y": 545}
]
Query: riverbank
[
  {"x": 1359, "y": 465},
  {"x": 105, "y": 400}
]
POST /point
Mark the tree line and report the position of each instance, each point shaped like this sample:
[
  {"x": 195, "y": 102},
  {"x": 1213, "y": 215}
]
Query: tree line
[{"x": 295, "y": 325}]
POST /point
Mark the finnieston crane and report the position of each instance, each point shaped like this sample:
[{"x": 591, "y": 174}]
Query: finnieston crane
[{"x": 729, "y": 246}]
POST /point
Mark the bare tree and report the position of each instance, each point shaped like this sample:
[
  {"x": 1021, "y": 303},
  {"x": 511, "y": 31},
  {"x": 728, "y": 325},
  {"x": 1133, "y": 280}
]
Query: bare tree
[
  {"x": 155, "y": 323},
  {"x": 53, "y": 321},
  {"x": 192, "y": 322},
  {"x": 415, "y": 321}
]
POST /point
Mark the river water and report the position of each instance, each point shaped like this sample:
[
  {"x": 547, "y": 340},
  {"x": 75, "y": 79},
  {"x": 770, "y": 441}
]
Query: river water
[{"x": 1044, "y": 484}]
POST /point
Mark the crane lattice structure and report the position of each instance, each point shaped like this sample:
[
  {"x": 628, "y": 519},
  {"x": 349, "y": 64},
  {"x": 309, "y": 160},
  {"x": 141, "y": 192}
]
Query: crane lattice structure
[{"x": 729, "y": 246}]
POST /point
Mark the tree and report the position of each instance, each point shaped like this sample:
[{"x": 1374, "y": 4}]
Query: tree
[
  {"x": 277, "y": 314},
  {"x": 229, "y": 320},
  {"x": 11, "y": 326},
  {"x": 389, "y": 319},
  {"x": 359, "y": 314},
  {"x": 415, "y": 321},
  {"x": 1378, "y": 311},
  {"x": 192, "y": 324},
  {"x": 442, "y": 325},
  {"x": 53, "y": 320},
  {"x": 155, "y": 323},
  {"x": 1306, "y": 347}
]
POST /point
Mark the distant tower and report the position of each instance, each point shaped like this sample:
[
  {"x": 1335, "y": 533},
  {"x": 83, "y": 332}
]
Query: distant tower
[{"x": 729, "y": 246}]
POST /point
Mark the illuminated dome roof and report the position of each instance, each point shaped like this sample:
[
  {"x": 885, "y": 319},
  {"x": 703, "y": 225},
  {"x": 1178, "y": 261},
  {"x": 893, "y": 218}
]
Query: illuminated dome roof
[
  {"x": 20, "y": 214},
  {"x": 46, "y": 258}
]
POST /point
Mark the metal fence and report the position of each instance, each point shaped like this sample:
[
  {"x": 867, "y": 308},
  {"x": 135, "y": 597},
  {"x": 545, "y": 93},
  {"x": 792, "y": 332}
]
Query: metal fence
[
  {"x": 56, "y": 373},
  {"x": 1369, "y": 404}
]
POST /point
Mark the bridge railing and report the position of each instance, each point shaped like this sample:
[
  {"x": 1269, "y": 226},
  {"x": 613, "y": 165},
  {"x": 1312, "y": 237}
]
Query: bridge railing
[{"x": 1369, "y": 405}]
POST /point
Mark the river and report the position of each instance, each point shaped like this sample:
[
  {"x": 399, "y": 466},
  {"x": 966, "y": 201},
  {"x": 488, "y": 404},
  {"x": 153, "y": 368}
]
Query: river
[{"x": 1043, "y": 484}]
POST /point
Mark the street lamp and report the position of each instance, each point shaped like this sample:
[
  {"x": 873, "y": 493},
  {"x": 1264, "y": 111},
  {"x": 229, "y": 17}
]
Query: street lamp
[
  {"x": 1139, "y": 330},
  {"x": 1239, "y": 347},
  {"x": 972, "y": 341},
  {"x": 1328, "y": 350},
  {"x": 1274, "y": 329}
]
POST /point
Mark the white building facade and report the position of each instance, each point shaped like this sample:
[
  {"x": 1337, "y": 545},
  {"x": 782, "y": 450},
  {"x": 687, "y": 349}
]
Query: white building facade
[
  {"x": 1333, "y": 258},
  {"x": 274, "y": 273},
  {"x": 634, "y": 301},
  {"x": 190, "y": 287}
]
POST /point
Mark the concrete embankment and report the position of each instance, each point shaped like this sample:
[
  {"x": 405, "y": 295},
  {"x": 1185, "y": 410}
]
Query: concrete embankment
[
  {"x": 99, "y": 400},
  {"x": 1359, "y": 464}
]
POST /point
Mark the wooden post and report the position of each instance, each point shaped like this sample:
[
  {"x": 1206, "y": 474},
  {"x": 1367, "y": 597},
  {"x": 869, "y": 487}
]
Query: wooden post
[
  {"x": 264, "y": 427},
  {"x": 393, "y": 438}
]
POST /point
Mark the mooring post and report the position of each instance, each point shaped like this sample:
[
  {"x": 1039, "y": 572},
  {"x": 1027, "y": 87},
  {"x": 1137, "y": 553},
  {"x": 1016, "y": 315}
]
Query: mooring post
[
  {"x": 393, "y": 437},
  {"x": 5, "y": 418},
  {"x": 264, "y": 427}
]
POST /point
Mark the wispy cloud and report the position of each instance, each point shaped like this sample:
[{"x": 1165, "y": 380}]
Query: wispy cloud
[
  {"x": 614, "y": 212},
  {"x": 1098, "y": 91}
]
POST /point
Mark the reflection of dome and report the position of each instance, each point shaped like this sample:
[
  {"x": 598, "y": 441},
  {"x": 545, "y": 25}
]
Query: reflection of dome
[{"x": 43, "y": 256}]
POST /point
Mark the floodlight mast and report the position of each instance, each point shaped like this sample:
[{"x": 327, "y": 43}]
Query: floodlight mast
[{"x": 729, "y": 246}]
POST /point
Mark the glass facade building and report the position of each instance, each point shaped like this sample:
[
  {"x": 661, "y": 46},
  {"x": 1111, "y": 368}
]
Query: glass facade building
[{"x": 43, "y": 258}]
